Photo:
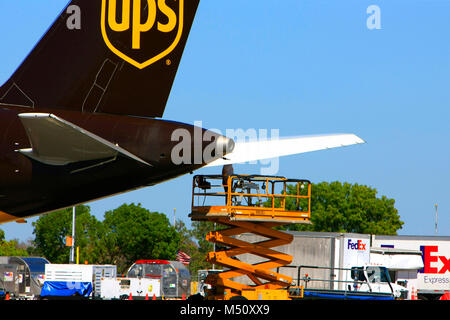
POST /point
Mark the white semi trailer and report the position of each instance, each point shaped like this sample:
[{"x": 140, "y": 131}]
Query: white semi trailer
[
  {"x": 330, "y": 257},
  {"x": 433, "y": 279}
]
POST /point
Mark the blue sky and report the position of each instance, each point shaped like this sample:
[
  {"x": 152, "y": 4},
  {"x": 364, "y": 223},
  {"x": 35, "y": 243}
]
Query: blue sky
[{"x": 303, "y": 67}]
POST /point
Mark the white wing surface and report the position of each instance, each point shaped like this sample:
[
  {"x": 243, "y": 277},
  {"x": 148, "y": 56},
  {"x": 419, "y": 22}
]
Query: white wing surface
[{"x": 267, "y": 149}]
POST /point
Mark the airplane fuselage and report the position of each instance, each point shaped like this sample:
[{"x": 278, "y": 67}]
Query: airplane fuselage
[{"x": 29, "y": 187}]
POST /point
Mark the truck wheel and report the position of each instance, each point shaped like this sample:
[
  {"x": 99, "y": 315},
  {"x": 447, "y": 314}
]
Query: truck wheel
[
  {"x": 238, "y": 298},
  {"x": 195, "y": 297}
]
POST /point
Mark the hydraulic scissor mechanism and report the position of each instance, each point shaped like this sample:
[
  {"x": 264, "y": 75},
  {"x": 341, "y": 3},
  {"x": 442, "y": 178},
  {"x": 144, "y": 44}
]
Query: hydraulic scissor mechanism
[{"x": 249, "y": 204}]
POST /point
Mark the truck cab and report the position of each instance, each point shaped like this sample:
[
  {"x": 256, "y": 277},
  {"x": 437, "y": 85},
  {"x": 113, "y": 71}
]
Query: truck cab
[{"x": 375, "y": 279}]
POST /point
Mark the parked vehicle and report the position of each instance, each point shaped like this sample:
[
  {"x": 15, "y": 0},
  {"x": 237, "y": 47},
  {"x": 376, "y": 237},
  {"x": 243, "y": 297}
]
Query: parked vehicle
[
  {"x": 357, "y": 283},
  {"x": 175, "y": 279},
  {"x": 337, "y": 253},
  {"x": 81, "y": 280},
  {"x": 432, "y": 280},
  {"x": 22, "y": 277}
]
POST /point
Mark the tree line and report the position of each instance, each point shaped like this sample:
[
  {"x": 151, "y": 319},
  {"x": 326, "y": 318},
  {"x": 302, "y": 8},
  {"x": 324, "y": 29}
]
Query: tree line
[{"x": 131, "y": 232}]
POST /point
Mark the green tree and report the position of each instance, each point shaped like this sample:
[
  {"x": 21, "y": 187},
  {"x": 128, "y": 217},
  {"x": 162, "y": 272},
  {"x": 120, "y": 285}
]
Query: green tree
[
  {"x": 345, "y": 207},
  {"x": 132, "y": 232},
  {"x": 51, "y": 229},
  {"x": 10, "y": 248}
]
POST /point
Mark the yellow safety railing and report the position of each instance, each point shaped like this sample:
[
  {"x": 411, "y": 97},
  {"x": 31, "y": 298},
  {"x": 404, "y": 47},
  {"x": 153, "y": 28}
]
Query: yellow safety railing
[{"x": 251, "y": 197}]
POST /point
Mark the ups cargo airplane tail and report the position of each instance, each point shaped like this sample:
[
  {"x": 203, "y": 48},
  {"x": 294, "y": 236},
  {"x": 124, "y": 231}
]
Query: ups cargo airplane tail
[{"x": 79, "y": 119}]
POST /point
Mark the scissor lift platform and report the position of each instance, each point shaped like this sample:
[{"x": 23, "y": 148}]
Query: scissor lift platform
[{"x": 249, "y": 204}]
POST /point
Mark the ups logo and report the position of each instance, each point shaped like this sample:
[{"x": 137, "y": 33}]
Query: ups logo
[{"x": 142, "y": 32}]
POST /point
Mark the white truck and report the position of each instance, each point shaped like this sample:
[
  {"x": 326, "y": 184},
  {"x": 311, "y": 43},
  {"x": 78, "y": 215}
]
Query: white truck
[
  {"x": 333, "y": 256},
  {"x": 356, "y": 283},
  {"x": 432, "y": 280},
  {"x": 374, "y": 278}
]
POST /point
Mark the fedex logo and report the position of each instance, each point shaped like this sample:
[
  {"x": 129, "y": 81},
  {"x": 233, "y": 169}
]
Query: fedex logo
[
  {"x": 358, "y": 245},
  {"x": 429, "y": 257}
]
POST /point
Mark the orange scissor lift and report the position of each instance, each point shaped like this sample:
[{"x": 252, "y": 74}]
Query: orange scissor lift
[{"x": 250, "y": 204}]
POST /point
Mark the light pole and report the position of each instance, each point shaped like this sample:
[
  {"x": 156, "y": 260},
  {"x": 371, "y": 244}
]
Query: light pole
[
  {"x": 436, "y": 219},
  {"x": 72, "y": 249}
]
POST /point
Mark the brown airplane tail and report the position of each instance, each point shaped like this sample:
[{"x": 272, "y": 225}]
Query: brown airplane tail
[{"x": 105, "y": 56}]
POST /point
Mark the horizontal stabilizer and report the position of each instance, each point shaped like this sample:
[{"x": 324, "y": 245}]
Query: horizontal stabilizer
[
  {"x": 267, "y": 149},
  {"x": 55, "y": 141}
]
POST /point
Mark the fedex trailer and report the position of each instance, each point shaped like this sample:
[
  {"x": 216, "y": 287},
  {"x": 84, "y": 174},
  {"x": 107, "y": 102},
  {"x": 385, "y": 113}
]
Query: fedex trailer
[
  {"x": 433, "y": 279},
  {"x": 328, "y": 262}
]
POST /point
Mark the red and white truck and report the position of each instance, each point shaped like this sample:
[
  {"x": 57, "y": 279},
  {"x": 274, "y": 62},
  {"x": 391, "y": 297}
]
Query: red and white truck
[
  {"x": 420, "y": 264},
  {"x": 433, "y": 280}
]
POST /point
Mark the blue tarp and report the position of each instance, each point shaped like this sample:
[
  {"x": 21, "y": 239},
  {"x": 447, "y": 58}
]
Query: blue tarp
[
  {"x": 66, "y": 289},
  {"x": 345, "y": 296}
]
